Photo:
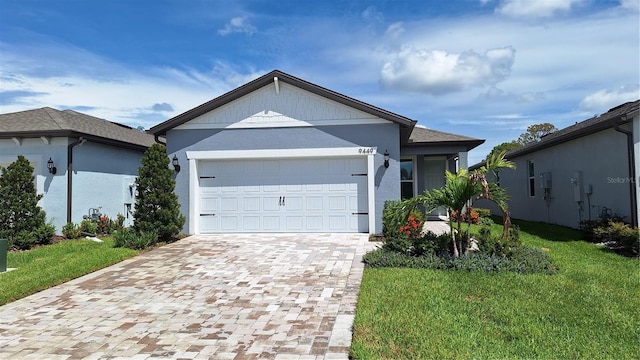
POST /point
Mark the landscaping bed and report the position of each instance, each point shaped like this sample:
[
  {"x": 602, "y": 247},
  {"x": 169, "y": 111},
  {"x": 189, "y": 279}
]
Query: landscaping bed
[{"x": 587, "y": 309}]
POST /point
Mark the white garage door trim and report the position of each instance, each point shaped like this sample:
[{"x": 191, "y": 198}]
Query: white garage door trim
[{"x": 196, "y": 156}]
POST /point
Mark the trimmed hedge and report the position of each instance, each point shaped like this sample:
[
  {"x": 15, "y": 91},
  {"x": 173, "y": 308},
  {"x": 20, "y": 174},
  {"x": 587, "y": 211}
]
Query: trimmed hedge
[{"x": 523, "y": 260}]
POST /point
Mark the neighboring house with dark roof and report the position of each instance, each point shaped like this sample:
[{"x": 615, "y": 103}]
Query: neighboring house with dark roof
[
  {"x": 95, "y": 160},
  {"x": 280, "y": 154},
  {"x": 579, "y": 172}
]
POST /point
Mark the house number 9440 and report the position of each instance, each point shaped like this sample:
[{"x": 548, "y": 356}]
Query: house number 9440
[{"x": 366, "y": 150}]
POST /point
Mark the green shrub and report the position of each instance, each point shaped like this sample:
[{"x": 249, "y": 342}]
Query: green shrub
[
  {"x": 89, "y": 226},
  {"x": 122, "y": 238},
  {"x": 128, "y": 238},
  {"x": 19, "y": 209},
  {"x": 620, "y": 233},
  {"x": 393, "y": 216},
  {"x": 521, "y": 260},
  {"x": 44, "y": 233},
  {"x": 431, "y": 244},
  {"x": 71, "y": 231},
  {"x": 485, "y": 221},
  {"x": 23, "y": 240},
  {"x": 103, "y": 225},
  {"x": 118, "y": 223},
  {"x": 157, "y": 208},
  {"x": 483, "y": 213}
]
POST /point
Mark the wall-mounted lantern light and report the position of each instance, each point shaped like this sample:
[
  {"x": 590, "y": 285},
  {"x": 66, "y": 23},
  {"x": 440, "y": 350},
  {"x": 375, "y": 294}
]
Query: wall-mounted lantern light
[
  {"x": 386, "y": 158},
  {"x": 52, "y": 169},
  {"x": 175, "y": 163}
]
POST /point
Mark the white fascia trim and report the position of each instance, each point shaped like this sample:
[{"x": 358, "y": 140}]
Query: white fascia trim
[
  {"x": 277, "y": 123},
  {"x": 371, "y": 193},
  {"x": 194, "y": 198},
  {"x": 281, "y": 153}
]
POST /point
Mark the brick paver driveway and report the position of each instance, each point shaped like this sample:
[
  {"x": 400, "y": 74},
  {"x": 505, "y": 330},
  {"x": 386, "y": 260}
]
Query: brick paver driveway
[{"x": 247, "y": 296}]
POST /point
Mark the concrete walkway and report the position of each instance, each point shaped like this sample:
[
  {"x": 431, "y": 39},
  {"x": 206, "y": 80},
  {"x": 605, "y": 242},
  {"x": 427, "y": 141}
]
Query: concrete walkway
[{"x": 247, "y": 296}]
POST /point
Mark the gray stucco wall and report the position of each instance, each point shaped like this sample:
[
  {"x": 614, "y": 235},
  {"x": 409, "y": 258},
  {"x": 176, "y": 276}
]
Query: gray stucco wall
[
  {"x": 600, "y": 157},
  {"x": 382, "y": 136},
  {"x": 101, "y": 176},
  {"x": 101, "y": 179},
  {"x": 52, "y": 187}
]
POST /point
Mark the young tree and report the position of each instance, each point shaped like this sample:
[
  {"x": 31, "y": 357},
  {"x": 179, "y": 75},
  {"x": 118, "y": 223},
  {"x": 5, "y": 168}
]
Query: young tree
[
  {"x": 503, "y": 148},
  {"x": 462, "y": 187},
  {"x": 535, "y": 132},
  {"x": 19, "y": 210},
  {"x": 157, "y": 209}
]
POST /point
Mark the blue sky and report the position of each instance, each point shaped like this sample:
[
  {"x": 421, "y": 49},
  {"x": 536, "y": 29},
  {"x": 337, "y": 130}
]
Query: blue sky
[{"x": 481, "y": 68}]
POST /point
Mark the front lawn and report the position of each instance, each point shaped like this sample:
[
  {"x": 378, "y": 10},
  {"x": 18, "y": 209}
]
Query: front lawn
[
  {"x": 50, "y": 265},
  {"x": 588, "y": 310}
]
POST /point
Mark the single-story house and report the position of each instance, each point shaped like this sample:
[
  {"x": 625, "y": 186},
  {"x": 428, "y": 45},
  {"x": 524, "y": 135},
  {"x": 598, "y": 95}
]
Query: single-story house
[
  {"x": 581, "y": 172},
  {"x": 280, "y": 154},
  {"x": 82, "y": 164}
]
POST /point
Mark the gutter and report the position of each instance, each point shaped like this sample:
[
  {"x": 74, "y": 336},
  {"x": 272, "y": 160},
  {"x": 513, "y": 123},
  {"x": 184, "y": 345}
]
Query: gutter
[
  {"x": 70, "y": 147},
  {"x": 156, "y": 137},
  {"x": 632, "y": 171}
]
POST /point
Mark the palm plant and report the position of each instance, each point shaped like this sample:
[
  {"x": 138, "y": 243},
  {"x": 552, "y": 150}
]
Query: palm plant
[{"x": 459, "y": 190}]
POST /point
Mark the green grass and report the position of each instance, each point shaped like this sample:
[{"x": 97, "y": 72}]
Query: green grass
[
  {"x": 588, "y": 310},
  {"x": 47, "y": 266}
]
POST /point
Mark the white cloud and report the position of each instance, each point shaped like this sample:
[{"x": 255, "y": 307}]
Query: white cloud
[
  {"x": 633, "y": 5},
  {"x": 117, "y": 93},
  {"x": 439, "y": 72},
  {"x": 535, "y": 8},
  {"x": 603, "y": 100},
  {"x": 238, "y": 25},
  {"x": 395, "y": 30},
  {"x": 371, "y": 14}
]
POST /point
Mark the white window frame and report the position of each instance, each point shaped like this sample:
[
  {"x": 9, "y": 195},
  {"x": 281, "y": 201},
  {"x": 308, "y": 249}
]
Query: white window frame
[
  {"x": 414, "y": 174},
  {"x": 531, "y": 179}
]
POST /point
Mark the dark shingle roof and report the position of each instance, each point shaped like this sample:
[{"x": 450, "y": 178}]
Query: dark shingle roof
[
  {"x": 421, "y": 136},
  {"x": 614, "y": 116},
  {"x": 51, "y": 122}
]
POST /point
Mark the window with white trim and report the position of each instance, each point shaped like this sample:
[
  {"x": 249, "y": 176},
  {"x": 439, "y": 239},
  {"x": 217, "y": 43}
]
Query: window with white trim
[
  {"x": 531, "y": 179},
  {"x": 406, "y": 179}
]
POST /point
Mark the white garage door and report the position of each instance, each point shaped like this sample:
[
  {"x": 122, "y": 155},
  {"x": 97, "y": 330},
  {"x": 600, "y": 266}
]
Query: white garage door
[{"x": 287, "y": 195}]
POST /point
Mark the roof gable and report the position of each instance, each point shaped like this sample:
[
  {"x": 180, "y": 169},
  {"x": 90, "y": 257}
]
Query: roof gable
[
  {"x": 276, "y": 78},
  {"x": 281, "y": 105},
  {"x": 68, "y": 123}
]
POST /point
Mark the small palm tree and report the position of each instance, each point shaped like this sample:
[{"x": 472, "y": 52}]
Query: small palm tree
[{"x": 459, "y": 190}]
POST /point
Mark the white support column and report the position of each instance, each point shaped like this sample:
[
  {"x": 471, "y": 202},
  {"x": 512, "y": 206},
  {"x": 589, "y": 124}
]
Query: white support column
[
  {"x": 194, "y": 198},
  {"x": 371, "y": 193}
]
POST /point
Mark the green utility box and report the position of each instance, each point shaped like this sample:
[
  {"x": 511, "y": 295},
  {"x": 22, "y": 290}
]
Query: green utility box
[{"x": 4, "y": 246}]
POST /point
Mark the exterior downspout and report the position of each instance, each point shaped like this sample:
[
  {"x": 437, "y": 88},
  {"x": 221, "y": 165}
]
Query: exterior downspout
[
  {"x": 156, "y": 137},
  {"x": 70, "y": 147},
  {"x": 632, "y": 171}
]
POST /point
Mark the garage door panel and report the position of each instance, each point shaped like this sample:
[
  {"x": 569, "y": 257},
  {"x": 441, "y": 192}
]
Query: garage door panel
[
  {"x": 209, "y": 224},
  {"x": 314, "y": 223},
  {"x": 313, "y": 187},
  {"x": 229, "y": 204},
  {"x": 314, "y": 203},
  {"x": 294, "y": 223},
  {"x": 229, "y": 223},
  {"x": 337, "y": 223},
  {"x": 252, "y": 203},
  {"x": 271, "y": 223},
  {"x": 251, "y": 223},
  {"x": 284, "y": 195}
]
